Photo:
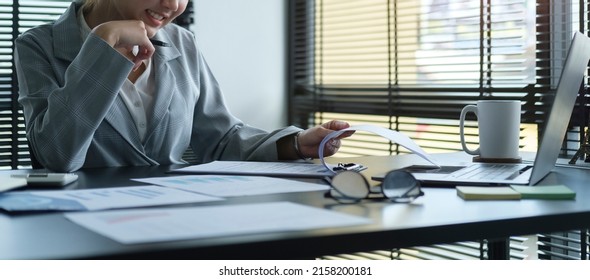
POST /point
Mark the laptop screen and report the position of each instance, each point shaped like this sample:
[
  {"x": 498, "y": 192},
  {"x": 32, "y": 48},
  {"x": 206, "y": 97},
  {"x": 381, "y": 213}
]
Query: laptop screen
[{"x": 570, "y": 81}]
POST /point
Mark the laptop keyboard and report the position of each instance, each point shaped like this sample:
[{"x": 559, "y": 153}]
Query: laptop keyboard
[{"x": 489, "y": 171}]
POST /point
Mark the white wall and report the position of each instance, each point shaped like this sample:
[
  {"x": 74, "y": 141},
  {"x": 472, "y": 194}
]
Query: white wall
[{"x": 244, "y": 43}]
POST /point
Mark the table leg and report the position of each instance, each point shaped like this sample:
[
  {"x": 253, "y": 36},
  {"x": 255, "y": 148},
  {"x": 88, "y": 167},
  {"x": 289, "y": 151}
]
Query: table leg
[{"x": 499, "y": 249}]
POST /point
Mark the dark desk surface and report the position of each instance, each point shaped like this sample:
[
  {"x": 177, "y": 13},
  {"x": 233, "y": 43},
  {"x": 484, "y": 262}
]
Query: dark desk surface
[{"x": 438, "y": 217}]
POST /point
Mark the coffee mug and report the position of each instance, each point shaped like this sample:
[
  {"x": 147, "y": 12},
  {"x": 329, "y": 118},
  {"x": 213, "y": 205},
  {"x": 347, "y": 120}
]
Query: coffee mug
[{"x": 498, "y": 123}]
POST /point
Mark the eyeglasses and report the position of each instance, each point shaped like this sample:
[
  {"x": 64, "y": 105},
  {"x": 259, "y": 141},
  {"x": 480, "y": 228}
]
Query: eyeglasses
[{"x": 397, "y": 186}]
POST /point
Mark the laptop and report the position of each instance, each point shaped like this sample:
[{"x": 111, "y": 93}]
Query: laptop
[{"x": 524, "y": 174}]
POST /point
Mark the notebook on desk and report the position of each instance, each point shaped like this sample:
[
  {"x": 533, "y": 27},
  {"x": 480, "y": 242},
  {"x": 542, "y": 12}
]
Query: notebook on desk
[{"x": 551, "y": 141}]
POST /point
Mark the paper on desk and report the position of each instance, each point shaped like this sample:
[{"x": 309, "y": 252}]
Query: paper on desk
[
  {"x": 8, "y": 183},
  {"x": 96, "y": 199},
  {"x": 286, "y": 169},
  {"x": 228, "y": 185},
  {"x": 169, "y": 224},
  {"x": 392, "y": 135}
]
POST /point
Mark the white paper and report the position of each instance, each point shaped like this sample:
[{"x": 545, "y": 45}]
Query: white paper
[
  {"x": 8, "y": 183},
  {"x": 392, "y": 135},
  {"x": 287, "y": 169},
  {"x": 98, "y": 199},
  {"x": 169, "y": 224},
  {"x": 229, "y": 186}
]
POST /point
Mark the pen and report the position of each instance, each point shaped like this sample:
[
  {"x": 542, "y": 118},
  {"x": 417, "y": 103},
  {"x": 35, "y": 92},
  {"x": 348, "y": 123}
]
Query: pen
[{"x": 159, "y": 43}]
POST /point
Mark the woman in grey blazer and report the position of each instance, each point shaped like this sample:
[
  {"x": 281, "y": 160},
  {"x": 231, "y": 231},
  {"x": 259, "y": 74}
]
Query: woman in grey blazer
[{"x": 97, "y": 92}]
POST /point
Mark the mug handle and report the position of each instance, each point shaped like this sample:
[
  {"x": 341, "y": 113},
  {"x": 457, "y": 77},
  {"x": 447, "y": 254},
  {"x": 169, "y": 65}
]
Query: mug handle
[{"x": 467, "y": 109}]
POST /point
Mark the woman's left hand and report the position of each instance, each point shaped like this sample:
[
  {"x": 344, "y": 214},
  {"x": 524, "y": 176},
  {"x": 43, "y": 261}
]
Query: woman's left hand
[{"x": 309, "y": 140}]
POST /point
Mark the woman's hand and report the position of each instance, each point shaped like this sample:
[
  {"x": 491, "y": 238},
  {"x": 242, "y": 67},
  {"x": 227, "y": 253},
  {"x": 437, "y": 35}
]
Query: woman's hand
[
  {"x": 309, "y": 140},
  {"x": 124, "y": 35}
]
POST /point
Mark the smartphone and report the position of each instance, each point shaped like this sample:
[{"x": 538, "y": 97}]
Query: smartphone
[{"x": 48, "y": 179}]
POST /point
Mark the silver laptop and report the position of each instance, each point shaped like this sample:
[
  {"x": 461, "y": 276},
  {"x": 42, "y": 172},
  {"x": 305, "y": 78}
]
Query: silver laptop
[{"x": 551, "y": 141}]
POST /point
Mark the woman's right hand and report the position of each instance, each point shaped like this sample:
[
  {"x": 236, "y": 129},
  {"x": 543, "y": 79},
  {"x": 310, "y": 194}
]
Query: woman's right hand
[{"x": 124, "y": 35}]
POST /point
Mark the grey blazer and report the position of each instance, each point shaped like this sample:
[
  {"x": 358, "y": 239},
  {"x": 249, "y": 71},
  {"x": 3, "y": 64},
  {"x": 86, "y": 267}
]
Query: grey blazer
[{"x": 75, "y": 118}]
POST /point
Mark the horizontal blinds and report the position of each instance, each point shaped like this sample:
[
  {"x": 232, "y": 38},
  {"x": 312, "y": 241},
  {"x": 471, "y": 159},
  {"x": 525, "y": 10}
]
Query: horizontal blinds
[
  {"x": 425, "y": 60},
  {"x": 16, "y": 17},
  {"x": 521, "y": 248},
  {"x": 412, "y": 66},
  {"x": 8, "y": 137},
  {"x": 571, "y": 245},
  {"x": 411, "y": 58}
]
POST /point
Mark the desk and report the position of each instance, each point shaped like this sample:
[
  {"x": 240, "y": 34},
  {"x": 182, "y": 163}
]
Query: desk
[{"x": 438, "y": 217}]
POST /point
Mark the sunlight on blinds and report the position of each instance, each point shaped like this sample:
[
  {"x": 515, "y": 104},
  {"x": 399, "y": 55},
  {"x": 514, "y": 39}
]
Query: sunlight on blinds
[
  {"x": 442, "y": 45},
  {"x": 352, "y": 42},
  {"x": 432, "y": 42}
]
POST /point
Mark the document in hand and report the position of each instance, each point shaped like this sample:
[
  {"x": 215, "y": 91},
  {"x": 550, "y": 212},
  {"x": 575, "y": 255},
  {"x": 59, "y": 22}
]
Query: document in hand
[
  {"x": 391, "y": 135},
  {"x": 299, "y": 169}
]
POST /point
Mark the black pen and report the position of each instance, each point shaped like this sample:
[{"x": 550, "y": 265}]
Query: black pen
[{"x": 159, "y": 43}]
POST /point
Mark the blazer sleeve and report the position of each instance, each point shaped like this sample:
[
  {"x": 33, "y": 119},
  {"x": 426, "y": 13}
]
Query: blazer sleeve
[{"x": 65, "y": 102}]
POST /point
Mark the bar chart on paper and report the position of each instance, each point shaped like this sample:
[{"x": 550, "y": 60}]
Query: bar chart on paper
[{"x": 230, "y": 185}]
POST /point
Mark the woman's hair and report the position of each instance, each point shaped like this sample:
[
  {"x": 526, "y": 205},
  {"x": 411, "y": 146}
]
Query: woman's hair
[{"x": 88, "y": 4}]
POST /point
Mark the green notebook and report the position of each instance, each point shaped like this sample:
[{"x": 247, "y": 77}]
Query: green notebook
[
  {"x": 545, "y": 192},
  {"x": 487, "y": 193}
]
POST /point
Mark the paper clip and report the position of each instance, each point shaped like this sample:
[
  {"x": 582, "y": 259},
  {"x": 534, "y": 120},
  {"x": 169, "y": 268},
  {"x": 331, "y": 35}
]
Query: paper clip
[{"x": 349, "y": 166}]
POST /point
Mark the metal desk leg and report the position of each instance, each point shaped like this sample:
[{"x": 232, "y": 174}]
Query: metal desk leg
[{"x": 499, "y": 249}]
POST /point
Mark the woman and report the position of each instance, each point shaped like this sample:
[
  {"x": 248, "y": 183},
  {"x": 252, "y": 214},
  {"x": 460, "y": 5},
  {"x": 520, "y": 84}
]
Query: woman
[{"x": 97, "y": 92}]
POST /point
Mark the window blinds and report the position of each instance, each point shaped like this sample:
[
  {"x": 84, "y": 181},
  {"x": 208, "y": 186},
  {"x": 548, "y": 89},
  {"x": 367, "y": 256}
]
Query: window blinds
[
  {"x": 415, "y": 64},
  {"x": 16, "y": 17}
]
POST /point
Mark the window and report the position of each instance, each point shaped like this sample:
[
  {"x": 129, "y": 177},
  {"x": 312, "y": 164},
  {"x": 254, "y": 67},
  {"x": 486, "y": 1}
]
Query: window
[
  {"x": 412, "y": 65},
  {"x": 16, "y": 17}
]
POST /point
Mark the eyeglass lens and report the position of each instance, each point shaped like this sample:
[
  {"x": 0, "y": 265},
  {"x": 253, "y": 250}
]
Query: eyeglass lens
[
  {"x": 398, "y": 186},
  {"x": 350, "y": 184}
]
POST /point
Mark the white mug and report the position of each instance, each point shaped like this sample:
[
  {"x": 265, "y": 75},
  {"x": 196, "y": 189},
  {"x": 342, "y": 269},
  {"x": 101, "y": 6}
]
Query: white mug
[{"x": 499, "y": 128}]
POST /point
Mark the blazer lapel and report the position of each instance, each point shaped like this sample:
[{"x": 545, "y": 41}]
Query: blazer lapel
[
  {"x": 67, "y": 46},
  {"x": 119, "y": 118},
  {"x": 165, "y": 81}
]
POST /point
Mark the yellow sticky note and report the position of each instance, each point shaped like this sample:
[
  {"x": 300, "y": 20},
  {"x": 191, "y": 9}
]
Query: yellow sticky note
[{"x": 486, "y": 193}]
